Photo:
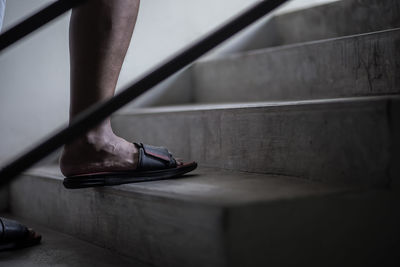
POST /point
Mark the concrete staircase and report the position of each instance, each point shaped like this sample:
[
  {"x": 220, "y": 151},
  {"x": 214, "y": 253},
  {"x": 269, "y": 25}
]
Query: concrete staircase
[
  {"x": 58, "y": 249},
  {"x": 298, "y": 145}
]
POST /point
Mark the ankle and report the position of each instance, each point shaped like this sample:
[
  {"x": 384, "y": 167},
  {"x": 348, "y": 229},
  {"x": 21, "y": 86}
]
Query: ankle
[
  {"x": 100, "y": 130},
  {"x": 95, "y": 137}
]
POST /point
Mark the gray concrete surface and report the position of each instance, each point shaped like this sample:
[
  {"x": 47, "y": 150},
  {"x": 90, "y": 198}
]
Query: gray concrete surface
[
  {"x": 167, "y": 223},
  {"x": 333, "y": 20},
  {"x": 359, "y": 65},
  {"x": 339, "y": 140},
  {"x": 337, "y": 19},
  {"x": 346, "y": 230},
  {"x": 394, "y": 168},
  {"x": 340, "y": 18},
  {"x": 173, "y": 91},
  {"x": 218, "y": 218},
  {"x": 57, "y": 249}
]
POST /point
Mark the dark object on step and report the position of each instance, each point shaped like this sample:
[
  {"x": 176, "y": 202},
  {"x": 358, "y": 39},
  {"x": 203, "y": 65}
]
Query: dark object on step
[
  {"x": 155, "y": 163},
  {"x": 14, "y": 235}
]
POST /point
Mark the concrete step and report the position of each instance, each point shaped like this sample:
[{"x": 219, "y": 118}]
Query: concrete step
[
  {"x": 336, "y": 19},
  {"x": 361, "y": 65},
  {"x": 58, "y": 249},
  {"x": 318, "y": 22},
  {"x": 345, "y": 141},
  {"x": 218, "y": 218}
]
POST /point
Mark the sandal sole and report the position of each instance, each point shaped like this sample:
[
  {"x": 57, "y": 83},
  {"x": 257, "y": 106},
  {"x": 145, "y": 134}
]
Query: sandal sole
[{"x": 118, "y": 178}]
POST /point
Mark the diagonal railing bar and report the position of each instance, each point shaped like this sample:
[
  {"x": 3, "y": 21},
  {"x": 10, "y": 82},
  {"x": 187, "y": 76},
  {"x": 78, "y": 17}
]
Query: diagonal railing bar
[
  {"x": 95, "y": 114},
  {"x": 36, "y": 21}
]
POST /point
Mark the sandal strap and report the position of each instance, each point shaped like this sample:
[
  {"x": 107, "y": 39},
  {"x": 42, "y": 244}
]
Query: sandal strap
[
  {"x": 11, "y": 230},
  {"x": 154, "y": 158}
]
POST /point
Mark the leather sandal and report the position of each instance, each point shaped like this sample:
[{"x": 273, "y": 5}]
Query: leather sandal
[
  {"x": 14, "y": 235},
  {"x": 155, "y": 163}
]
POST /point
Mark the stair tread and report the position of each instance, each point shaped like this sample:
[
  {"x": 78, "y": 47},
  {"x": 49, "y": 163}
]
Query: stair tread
[
  {"x": 61, "y": 249},
  {"x": 213, "y": 186}
]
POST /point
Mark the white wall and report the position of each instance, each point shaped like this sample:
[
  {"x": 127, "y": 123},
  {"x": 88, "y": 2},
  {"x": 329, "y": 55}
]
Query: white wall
[
  {"x": 33, "y": 81},
  {"x": 34, "y": 74}
]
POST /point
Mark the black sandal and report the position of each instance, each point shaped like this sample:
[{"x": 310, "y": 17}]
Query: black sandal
[
  {"x": 155, "y": 163},
  {"x": 14, "y": 235}
]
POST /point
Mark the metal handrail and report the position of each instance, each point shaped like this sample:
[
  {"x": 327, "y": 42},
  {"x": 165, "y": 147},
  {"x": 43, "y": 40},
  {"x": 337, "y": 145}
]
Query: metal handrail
[
  {"x": 98, "y": 112},
  {"x": 36, "y": 21}
]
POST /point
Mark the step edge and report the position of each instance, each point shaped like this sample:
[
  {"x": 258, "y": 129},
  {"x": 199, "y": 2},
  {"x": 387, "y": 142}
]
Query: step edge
[
  {"x": 252, "y": 105},
  {"x": 133, "y": 191}
]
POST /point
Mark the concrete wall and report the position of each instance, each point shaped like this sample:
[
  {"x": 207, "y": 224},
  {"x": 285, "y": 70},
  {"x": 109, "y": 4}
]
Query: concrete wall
[{"x": 34, "y": 74}]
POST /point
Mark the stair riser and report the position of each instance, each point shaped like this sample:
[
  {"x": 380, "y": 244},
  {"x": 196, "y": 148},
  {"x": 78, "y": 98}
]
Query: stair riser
[
  {"x": 155, "y": 230},
  {"x": 345, "y": 142},
  {"x": 348, "y": 230},
  {"x": 353, "y": 66}
]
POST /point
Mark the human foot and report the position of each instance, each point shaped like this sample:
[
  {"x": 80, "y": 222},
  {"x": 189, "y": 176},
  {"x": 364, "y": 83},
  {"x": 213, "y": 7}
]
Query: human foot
[
  {"x": 99, "y": 150},
  {"x": 154, "y": 163}
]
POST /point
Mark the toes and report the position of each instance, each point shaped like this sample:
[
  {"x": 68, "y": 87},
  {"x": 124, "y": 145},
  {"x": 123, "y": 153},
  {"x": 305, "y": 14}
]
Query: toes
[
  {"x": 179, "y": 161},
  {"x": 33, "y": 235}
]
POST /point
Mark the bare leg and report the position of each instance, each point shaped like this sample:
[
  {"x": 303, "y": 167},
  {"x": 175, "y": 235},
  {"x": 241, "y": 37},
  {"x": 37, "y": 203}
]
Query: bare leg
[{"x": 100, "y": 33}]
